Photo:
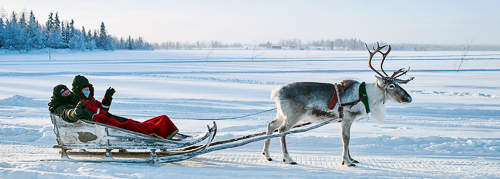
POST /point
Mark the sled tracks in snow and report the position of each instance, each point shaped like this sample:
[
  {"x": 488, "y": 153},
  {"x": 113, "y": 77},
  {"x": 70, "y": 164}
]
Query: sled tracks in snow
[
  {"x": 398, "y": 166},
  {"x": 327, "y": 164}
]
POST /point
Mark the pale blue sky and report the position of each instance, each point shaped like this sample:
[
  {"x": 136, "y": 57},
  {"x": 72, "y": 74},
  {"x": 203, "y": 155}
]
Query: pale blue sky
[{"x": 250, "y": 21}]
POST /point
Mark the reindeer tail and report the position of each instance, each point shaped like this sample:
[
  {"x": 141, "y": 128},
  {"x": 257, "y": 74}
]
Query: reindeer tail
[{"x": 275, "y": 92}]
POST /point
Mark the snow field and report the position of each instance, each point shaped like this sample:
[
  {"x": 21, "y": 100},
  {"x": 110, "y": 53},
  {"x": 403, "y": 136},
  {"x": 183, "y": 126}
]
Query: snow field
[{"x": 450, "y": 130}]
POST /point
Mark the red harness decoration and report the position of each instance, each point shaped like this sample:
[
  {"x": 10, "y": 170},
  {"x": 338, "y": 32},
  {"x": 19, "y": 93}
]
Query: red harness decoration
[
  {"x": 335, "y": 97},
  {"x": 341, "y": 88}
]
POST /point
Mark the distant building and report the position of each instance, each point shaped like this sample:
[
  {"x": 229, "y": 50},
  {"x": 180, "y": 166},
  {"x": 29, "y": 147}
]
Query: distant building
[{"x": 276, "y": 46}]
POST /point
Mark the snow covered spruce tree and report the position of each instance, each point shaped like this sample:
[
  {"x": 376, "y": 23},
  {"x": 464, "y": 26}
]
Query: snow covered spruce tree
[
  {"x": 2, "y": 27},
  {"x": 75, "y": 38},
  {"x": 130, "y": 43},
  {"x": 12, "y": 33},
  {"x": 104, "y": 41},
  {"x": 34, "y": 33},
  {"x": 77, "y": 41},
  {"x": 53, "y": 35},
  {"x": 22, "y": 43}
]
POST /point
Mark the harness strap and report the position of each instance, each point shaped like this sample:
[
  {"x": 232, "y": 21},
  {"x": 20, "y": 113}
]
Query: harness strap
[
  {"x": 341, "y": 108},
  {"x": 354, "y": 102},
  {"x": 338, "y": 88},
  {"x": 341, "y": 112},
  {"x": 337, "y": 92}
]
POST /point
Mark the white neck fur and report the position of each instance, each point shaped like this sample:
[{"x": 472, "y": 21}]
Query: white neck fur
[{"x": 376, "y": 102}]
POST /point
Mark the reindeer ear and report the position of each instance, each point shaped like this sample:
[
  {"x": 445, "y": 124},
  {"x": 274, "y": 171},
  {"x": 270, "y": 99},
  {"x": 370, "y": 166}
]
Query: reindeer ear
[{"x": 380, "y": 81}]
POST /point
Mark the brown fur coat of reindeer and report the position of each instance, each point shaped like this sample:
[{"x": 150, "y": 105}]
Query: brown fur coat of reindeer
[{"x": 307, "y": 101}]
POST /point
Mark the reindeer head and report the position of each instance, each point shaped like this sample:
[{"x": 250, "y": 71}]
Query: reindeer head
[{"x": 390, "y": 85}]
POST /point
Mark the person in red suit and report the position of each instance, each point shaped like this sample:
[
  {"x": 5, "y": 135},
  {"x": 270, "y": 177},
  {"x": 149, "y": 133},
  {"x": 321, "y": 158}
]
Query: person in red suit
[{"x": 160, "y": 126}]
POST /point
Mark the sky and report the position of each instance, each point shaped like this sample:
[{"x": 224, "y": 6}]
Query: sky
[{"x": 256, "y": 21}]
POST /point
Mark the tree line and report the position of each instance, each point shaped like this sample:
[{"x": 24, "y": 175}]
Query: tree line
[
  {"x": 336, "y": 44},
  {"x": 195, "y": 45},
  {"x": 24, "y": 33}
]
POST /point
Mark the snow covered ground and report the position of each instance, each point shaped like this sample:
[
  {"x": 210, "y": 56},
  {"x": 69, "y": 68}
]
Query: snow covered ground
[{"x": 450, "y": 130}]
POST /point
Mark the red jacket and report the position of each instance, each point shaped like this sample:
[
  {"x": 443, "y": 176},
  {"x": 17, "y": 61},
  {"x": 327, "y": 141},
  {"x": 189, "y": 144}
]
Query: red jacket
[{"x": 95, "y": 106}]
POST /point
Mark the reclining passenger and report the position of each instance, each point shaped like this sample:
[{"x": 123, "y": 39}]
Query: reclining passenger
[{"x": 72, "y": 110}]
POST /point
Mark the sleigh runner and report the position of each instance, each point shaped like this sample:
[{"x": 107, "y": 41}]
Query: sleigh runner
[{"x": 87, "y": 135}]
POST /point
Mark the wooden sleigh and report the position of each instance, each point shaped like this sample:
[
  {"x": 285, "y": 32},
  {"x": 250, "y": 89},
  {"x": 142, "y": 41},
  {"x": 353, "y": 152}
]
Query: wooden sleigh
[{"x": 87, "y": 135}]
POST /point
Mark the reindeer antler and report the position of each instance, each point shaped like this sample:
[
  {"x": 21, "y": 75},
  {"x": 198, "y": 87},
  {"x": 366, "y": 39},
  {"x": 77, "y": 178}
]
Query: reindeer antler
[
  {"x": 383, "y": 59},
  {"x": 371, "y": 56},
  {"x": 399, "y": 73},
  {"x": 396, "y": 74},
  {"x": 404, "y": 81}
]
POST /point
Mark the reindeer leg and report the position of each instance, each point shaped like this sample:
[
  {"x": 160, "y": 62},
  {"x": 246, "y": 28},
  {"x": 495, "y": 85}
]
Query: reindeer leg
[
  {"x": 350, "y": 158},
  {"x": 271, "y": 126},
  {"x": 346, "y": 137},
  {"x": 286, "y": 157}
]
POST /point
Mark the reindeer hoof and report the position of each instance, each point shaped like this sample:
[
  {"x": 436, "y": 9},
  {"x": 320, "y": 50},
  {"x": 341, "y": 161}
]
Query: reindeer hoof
[
  {"x": 355, "y": 161},
  {"x": 350, "y": 165},
  {"x": 267, "y": 158},
  {"x": 291, "y": 163}
]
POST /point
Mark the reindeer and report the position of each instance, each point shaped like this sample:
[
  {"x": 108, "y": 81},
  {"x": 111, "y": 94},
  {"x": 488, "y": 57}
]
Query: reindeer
[{"x": 308, "y": 102}]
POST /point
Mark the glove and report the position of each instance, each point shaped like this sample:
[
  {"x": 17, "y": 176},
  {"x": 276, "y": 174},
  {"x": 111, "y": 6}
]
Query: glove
[
  {"x": 108, "y": 97},
  {"x": 79, "y": 109},
  {"x": 109, "y": 92},
  {"x": 80, "y": 112}
]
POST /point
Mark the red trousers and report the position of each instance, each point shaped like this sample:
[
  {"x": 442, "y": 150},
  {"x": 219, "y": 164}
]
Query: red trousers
[{"x": 161, "y": 126}]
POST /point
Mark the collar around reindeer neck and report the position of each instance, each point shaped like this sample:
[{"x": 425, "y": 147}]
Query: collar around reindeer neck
[{"x": 362, "y": 93}]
